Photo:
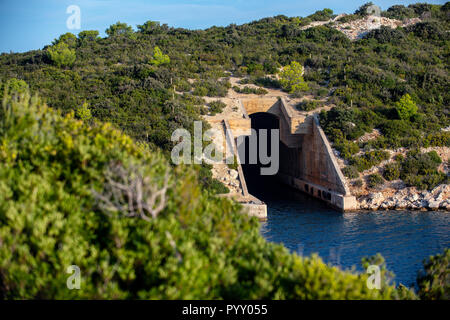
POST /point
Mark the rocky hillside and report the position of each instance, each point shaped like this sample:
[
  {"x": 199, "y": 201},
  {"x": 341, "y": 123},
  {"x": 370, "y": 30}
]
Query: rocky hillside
[{"x": 356, "y": 29}]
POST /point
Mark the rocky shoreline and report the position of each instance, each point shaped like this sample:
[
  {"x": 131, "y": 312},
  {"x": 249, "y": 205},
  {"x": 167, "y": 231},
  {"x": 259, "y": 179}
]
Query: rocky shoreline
[{"x": 408, "y": 199}]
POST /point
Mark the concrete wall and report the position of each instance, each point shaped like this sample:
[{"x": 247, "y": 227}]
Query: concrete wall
[
  {"x": 256, "y": 210},
  {"x": 254, "y": 105},
  {"x": 312, "y": 168},
  {"x": 307, "y": 162},
  {"x": 334, "y": 199},
  {"x": 312, "y": 161},
  {"x": 252, "y": 206}
]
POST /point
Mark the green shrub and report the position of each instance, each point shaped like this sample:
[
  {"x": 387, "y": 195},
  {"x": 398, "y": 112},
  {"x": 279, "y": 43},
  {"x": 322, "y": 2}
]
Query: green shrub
[
  {"x": 438, "y": 139},
  {"x": 216, "y": 107},
  {"x": 363, "y": 10},
  {"x": 350, "y": 172},
  {"x": 391, "y": 171},
  {"x": 434, "y": 281},
  {"x": 425, "y": 182},
  {"x": 13, "y": 86},
  {"x": 211, "y": 88},
  {"x": 406, "y": 107},
  {"x": 200, "y": 91},
  {"x": 369, "y": 159},
  {"x": 399, "y": 158},
  {"x": 399, "y": 12},
  {"x": 61, "y": 55},
  {"x": 358, "y": 183},
  {"x": 83, "y": 112},
  {"x": 309, "y": 105},
  {"x": 385, "y": 35},
  {"x": 208, "y": 182},
  {"x": 267, "y": 82},
  {"x": 88, "y": 35},
  {"x": 250, "y": 90},
  {"x": 183, "y": 86},
  {"x": 291, "y": 78},
  {"x": 374, "y": 180},
  {"x": 68, "y": 38},
  {"x": 234, "y": 163},
  {"x": 350, "y": 122},
  {"x": 346, "y": 148},
  {"x": 386, "y": 277},
  {"x": 396, "y": 128},
  {"x": 159, "y": 58},
  {"x": 55, "y": 175},
  {"x": 119, "y": 29},
  {"x": 322, "y": 92},
  {"x": 349, "y": 18},
  {"x": 420, "y": 170}
]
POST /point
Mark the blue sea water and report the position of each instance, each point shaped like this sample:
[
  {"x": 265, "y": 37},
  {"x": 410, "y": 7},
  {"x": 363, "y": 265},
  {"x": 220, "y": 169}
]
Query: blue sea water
[{"x": 305, "y": 225}]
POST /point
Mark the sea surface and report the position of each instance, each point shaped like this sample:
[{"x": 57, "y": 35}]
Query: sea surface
[{"x": 306, "y": 226}]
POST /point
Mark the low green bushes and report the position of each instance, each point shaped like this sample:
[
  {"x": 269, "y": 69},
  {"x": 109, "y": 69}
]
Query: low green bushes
[
  {"x": 434, "y": 281},
  {"x": 211, "y": 88},
  {"x": 250, "y": 90},
  {"x": 183, "y": 86},
  {"x": 61, "y": 55},
  {"x": 349, "y": 18},
  {"x": 369, "y": 159},
  {"x": 350, "y": 172},
  {"x": 420, "y": 170},
  {"x": 391, "y": 171},
  {"x": 234, "y": 163},
  {"x": 309, "y": 105},
  {"x": 216, "y": 107},
  {"x": 346, "y": 148},
  {"x": 438, "y": 139},
  {"x": 208, "y": 182},
  {"x": 348, "y": 123},
  {"x": 375, "y": 180},
  {"x": 57, "y": 210},
  {"x": 267, "y": 82},
  {"x": 417, "y": 169}
]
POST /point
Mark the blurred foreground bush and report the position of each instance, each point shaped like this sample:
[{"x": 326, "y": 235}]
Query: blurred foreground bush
[{"x": 197, "y": 247}]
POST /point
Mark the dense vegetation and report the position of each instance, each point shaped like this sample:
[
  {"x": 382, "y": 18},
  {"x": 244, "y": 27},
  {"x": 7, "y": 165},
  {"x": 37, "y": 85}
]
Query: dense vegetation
[
  {"x": 58, "y": 167},
  {"x": 434, "y": 281},
  {"x": 129, "y": 77},
  {"x": 71, "y": 193}
]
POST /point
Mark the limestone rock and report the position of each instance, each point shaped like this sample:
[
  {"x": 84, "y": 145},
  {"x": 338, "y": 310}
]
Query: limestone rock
[
  {"x": 434, "y": 204},
  {"x": 375, "y": 200},
  {"x": 233, "y": 174}
]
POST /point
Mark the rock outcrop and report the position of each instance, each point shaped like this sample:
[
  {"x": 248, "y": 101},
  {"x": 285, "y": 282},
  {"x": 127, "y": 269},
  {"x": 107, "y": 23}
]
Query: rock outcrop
[
  {"x": 408, "y": 199},
  {"x": 356, "y": 29}
]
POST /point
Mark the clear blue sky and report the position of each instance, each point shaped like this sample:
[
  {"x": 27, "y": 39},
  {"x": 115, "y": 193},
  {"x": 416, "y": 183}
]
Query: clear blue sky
[{"x": 32, "y": 24}]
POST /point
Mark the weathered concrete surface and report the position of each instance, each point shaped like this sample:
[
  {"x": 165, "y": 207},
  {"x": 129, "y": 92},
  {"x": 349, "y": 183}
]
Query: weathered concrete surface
[
  {"x": 292, "y": 122},
  {"x": 307, "y": 162},
  {"x": 252, "y": 205},
  {"x": 256, "y": 210}
]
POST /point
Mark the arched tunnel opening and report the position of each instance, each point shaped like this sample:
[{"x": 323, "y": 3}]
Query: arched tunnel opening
[
  {"x": 260, "y": 185},
  {"x": 269, "y": 188}
]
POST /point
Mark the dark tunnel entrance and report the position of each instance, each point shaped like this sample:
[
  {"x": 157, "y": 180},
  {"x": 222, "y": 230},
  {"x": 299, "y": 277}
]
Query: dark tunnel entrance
[
  {"x": 261, "y": 186},
  {"x": 269, "y": 188}
]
